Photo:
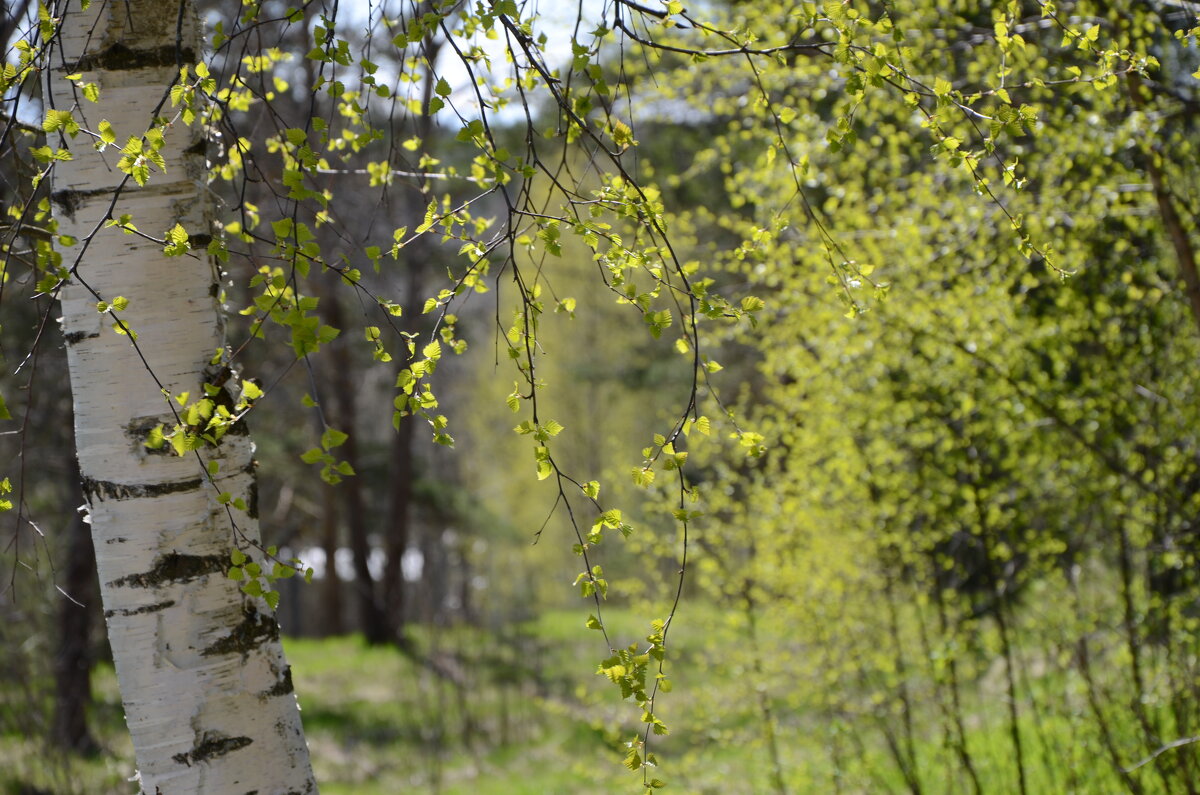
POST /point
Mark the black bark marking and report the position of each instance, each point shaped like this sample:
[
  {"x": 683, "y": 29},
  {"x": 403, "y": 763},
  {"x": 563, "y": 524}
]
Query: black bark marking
[
  {"x": 174, "y": 567},
  {"x": 154, "y": 608},
  {"x": 107, "y": 490},
  {"x": 252, "y": 496},
  {"x": 222, "y": 397},
  {"x": 138, "y": 430},
  {"x": 254, "y": 630},
  {"x": 76, "y": 337},
  {"x": 284, "y": 686},
  {"x": 68, "y": 201},
  {"x": 219, "y": 376},
  {"x": 119, "y": 57},
  {"x": 212, "y": 744},
  {"x": 199, "y": 148}
]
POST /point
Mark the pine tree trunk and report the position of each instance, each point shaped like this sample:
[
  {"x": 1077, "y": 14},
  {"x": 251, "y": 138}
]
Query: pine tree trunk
[{"x": 207, "y": 693}]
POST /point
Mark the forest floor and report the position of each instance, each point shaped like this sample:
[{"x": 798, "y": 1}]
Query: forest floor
[
  {"x": 520, "y": 709},
  {"x": 515, "y": 710}
]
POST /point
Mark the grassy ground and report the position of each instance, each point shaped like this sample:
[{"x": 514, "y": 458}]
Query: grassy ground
[
  {"x": 467, "y": 712},
  {"x": 521, "y": 711}
]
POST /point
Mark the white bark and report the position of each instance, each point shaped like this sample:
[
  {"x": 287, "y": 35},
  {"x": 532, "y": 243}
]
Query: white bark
[{"x": 207, "y": 692}]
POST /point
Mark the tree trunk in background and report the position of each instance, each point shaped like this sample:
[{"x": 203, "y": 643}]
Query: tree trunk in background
[
  {"x": 332, "y": 585},
  {"x": 371, "y": 614},
  {"x": 402, "y": 472},
  {"x": 399, "y": 528},
  {"x": 207, "y": 693},
  {"x": 374, "y": 617},
  {"x": 73, "y": 663}
]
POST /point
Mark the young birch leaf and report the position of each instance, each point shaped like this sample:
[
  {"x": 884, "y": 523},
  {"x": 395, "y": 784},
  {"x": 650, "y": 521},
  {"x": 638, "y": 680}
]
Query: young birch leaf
[{"x": 332, "y": 438}]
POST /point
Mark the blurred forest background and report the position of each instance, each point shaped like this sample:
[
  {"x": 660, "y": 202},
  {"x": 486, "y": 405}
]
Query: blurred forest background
[{"x": 949, "y": 537}]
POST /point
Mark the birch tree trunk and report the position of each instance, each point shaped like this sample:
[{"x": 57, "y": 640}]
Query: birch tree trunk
[{"x": 207, "y": 693}]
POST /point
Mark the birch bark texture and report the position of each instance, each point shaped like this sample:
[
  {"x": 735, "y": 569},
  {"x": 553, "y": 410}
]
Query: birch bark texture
[{"x": 206, "y": 689}]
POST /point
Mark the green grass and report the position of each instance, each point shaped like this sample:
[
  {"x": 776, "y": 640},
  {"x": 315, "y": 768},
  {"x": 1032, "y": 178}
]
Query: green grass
[
  {"x": 521, "y": 711},
  {"x": 475, "y": 714}
]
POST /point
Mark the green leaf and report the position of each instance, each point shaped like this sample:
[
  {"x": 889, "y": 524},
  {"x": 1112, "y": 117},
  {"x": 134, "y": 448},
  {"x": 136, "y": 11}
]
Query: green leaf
[
  {"x": 332, "y": 438},
  {"x": 176, "y": 241},
  {"x": 544, "y": 467},
  {"x": 155, "y": 439},
  {"x": 63, "y": 120}
]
